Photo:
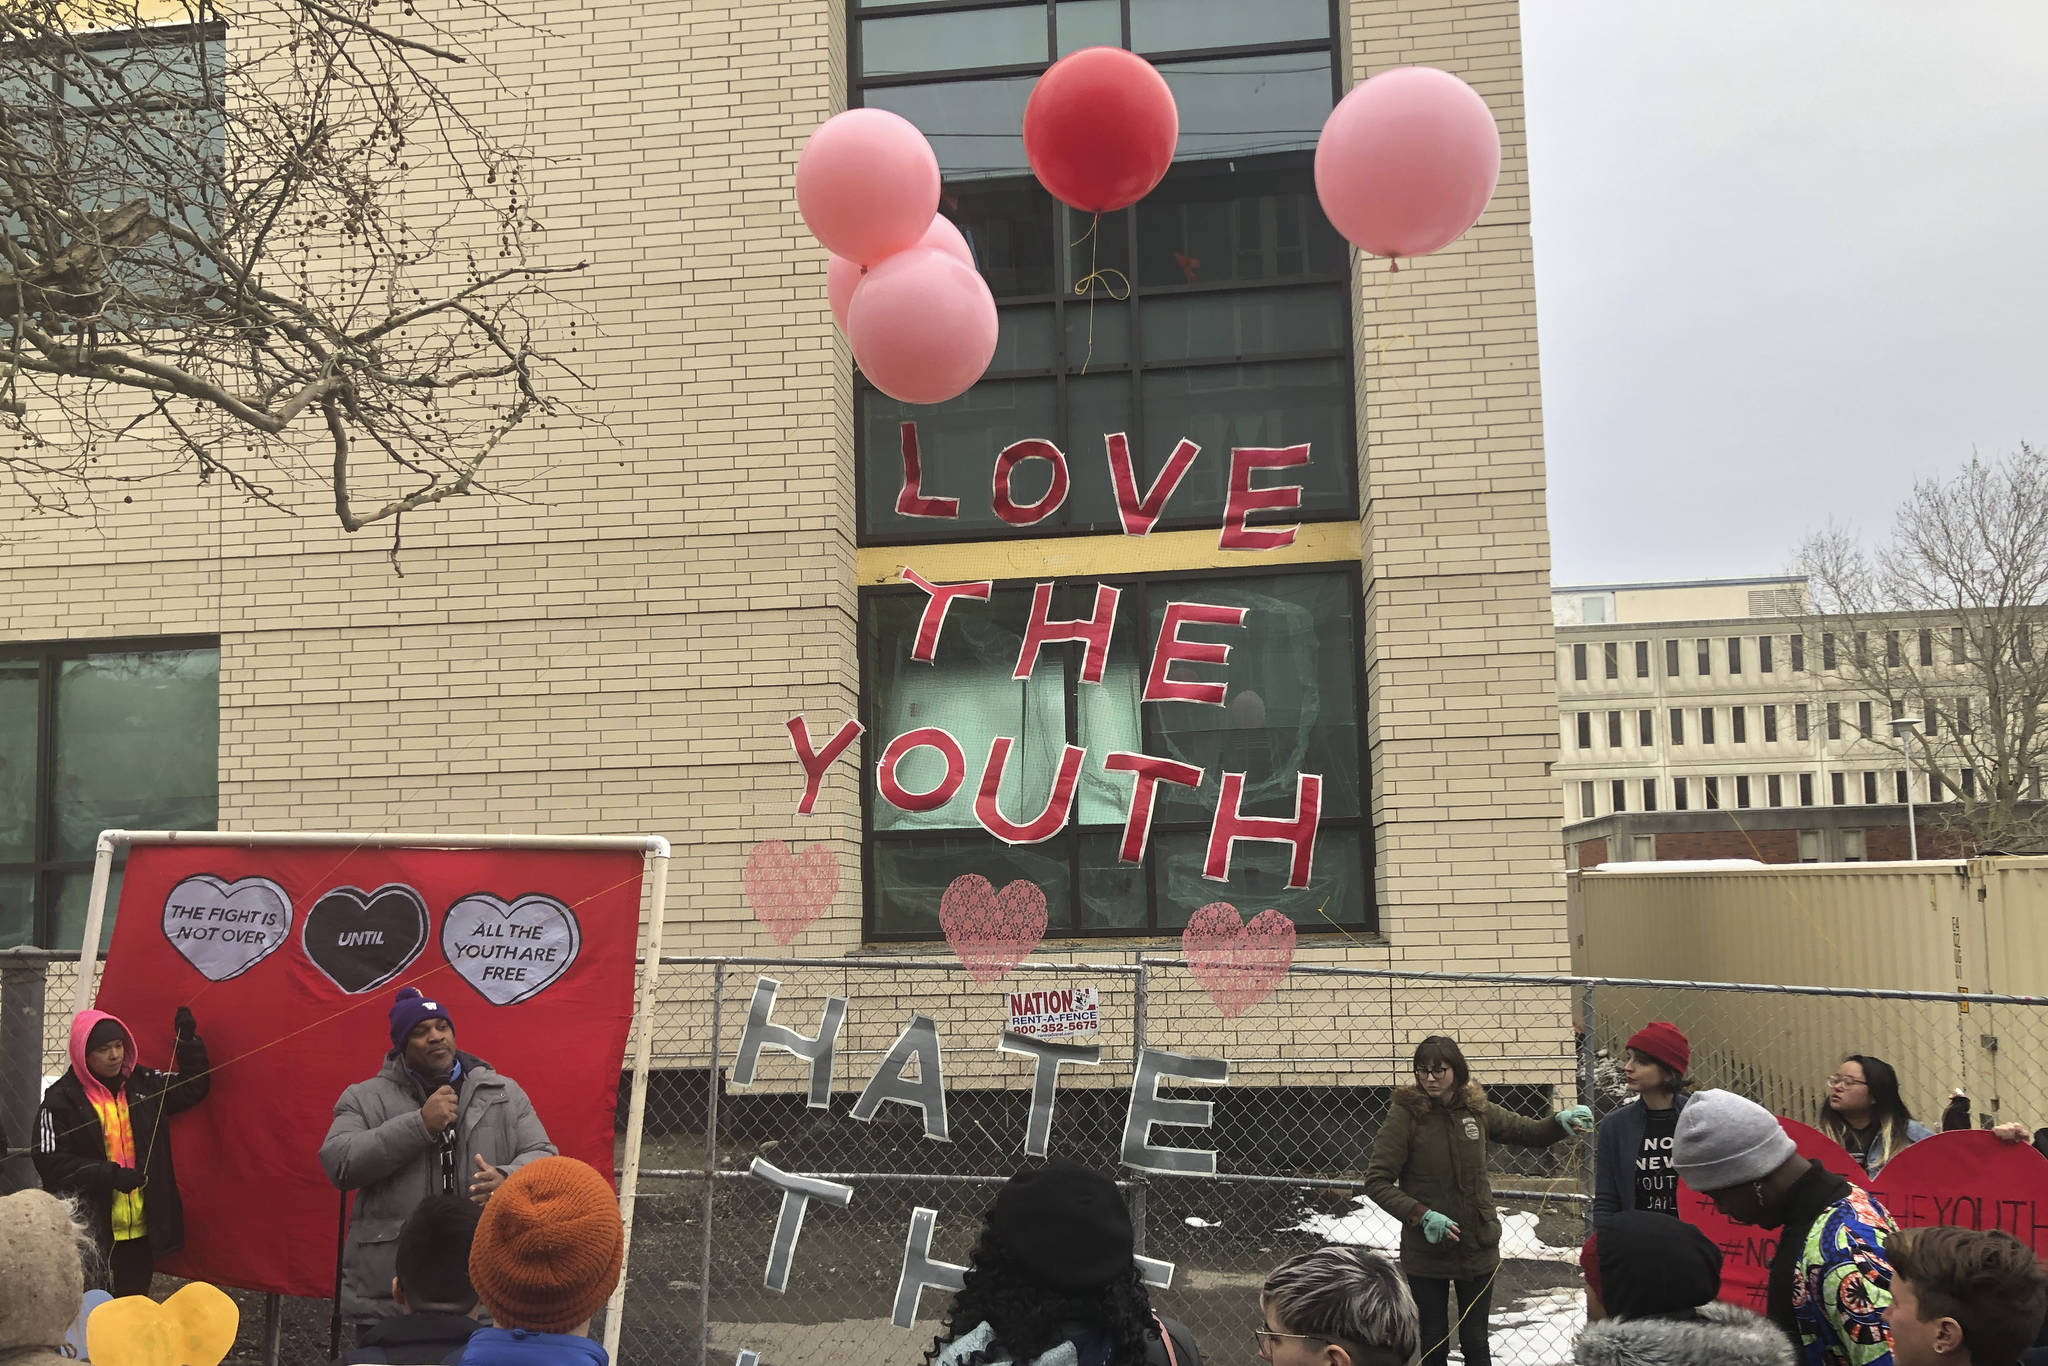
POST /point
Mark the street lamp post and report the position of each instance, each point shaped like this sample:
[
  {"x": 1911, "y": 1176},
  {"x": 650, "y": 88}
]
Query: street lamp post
[{"x": 1909, "y": 723}]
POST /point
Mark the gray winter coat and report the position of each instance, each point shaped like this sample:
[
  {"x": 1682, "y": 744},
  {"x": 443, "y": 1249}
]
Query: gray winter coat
[
  {"x": 1726, "y": 1335},
  {"x": 379, "y": 1147}
]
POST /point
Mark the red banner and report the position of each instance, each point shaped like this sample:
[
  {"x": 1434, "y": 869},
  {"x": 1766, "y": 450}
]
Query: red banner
[
  {"x": 1971, "y": 1179},
  {"x": 290, "y": 958},
  {"x": 1746, "y": 1251}
]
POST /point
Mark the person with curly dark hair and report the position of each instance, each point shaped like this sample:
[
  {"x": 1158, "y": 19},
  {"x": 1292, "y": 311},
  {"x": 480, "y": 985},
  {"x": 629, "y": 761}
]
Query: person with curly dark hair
[{"x": 1052, "y": 1282}]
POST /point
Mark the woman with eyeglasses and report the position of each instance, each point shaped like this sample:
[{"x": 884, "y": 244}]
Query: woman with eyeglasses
[
  {"x": 1865, "y": 1115},
  {"x": 1428, "y": 1169}
]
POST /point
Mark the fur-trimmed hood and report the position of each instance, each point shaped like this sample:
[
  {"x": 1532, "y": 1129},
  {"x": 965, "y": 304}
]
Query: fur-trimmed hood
[
  {"x": 1416, "y": 1101},
  {"x": 1724, "y": 1335}
]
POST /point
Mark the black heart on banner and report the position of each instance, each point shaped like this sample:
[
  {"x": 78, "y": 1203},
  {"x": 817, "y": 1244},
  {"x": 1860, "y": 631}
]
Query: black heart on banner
[{"x": 361, "y": 940}]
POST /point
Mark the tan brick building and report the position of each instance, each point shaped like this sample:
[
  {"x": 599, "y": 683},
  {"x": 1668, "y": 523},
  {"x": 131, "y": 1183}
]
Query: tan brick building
[{"x": 615, "y": 642}]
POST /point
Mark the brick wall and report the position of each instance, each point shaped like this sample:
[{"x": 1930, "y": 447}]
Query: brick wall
[{"x": 616, "y": 648}]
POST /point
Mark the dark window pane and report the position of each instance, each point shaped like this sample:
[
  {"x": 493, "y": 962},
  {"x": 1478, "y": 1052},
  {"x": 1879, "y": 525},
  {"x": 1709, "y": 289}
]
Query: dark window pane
[
  {"x": 70, "y": 898},
  {"x": 1112, "y": 892},
  {"x": 1008, "y": 225},
  {"x": 1337, "y": 888},
  {"x": 911, "y": 875},
  {"x": 1282, "y": 404},
  {"x": 1089, "y": 23},
  {"x": 17, "y": 909},
  {"x": 957, "y": 442},
  {"x": 1098, "y": 335},
  {"x": 1258, "y": 322},
  {"x": 17, "y": 766},
  {"x": 972, "y": 696},
  {"x": 975, "y": 127},
  {"x": 1239, "y": 220},
  {"x": 952, "y": 42},
  {"x": 1182, "y": 25},
  {"x": 1096, "y": 406},
  {"x": 1247, "y": 106},
  {"x": 138, "y": 745},
  {"x": 1293, "y": 709},
  {"x": 1023, "y": 340}
]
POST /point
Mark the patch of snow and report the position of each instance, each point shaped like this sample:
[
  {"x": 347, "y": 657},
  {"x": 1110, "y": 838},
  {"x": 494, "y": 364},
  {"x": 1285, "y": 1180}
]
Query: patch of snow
[
  {"x": 1367, "y": 1225},
  {"x": 1539, "y": 1331},
  {"x": 1197, "y": 1221}
]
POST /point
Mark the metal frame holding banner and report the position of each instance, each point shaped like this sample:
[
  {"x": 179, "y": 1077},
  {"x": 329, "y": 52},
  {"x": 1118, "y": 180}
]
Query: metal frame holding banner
[{"x": 653, "y": 890}]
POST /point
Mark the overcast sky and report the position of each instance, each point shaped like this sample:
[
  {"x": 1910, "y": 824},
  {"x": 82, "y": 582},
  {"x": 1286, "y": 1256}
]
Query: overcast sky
[{"x": 1789, "y": 258}]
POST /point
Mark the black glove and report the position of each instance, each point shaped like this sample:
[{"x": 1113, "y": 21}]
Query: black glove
[
  {"x": 127, "y": 1179},
  {"x": 184, "y": 1023}
]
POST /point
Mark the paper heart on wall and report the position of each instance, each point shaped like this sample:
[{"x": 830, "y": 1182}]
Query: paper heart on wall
[
  {"x": 194, "y": 1327},
  {"x": 225, "y": 928},
  {"x": 992, "y": 931},
  {"x": 786, "y": 890},
  {"x": 360, "y": 940},
  {"x": 1238, "y": 964},
  {"x": 510, "y": 951}
]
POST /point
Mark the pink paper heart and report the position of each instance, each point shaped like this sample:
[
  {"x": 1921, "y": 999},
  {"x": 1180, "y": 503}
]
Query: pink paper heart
[
  {"x": 992, "y": 931},
  {"x": 788, "y": 891},
  {"x": 1238, "y": 964}
]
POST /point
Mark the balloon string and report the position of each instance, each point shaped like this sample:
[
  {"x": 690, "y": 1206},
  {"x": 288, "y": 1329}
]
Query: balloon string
[{"x": 1086, "y": 284}]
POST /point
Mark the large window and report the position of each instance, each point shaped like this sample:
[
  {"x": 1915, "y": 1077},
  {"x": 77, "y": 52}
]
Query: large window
[
  {"x": 1231, "y": 325},
  {"x": 97, "y": 737},
  {"x": 1294, "y": 698}
]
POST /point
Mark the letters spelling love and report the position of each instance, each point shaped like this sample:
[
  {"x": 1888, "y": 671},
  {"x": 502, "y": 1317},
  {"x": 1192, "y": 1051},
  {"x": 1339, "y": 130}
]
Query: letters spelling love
[{"x": 1229, "y": 824}]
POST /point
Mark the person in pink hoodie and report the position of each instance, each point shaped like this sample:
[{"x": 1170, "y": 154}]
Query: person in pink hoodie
[{"x": 101, "y": 1137}]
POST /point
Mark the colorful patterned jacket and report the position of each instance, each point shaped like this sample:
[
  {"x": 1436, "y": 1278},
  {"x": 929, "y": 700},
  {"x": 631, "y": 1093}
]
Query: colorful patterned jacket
[{"x": 1841, "y": 1279}]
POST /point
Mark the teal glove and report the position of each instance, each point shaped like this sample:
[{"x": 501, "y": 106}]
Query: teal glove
[
  {"x": 1577, "y": 1120},
  {"x": 1436, "y": 1227}
]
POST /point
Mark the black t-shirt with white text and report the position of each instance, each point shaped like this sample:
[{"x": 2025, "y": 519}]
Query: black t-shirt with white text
[{"x": 1656, "y": 1178}]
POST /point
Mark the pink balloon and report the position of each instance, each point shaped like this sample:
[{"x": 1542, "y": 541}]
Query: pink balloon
[
  {"x": 842, "y": 275},
  {"x": 867, "y": 184},
  {"x": 923, "y": 326},
  {"x": 1407, "y": 161},
  {"x": 841, "y": 278}
]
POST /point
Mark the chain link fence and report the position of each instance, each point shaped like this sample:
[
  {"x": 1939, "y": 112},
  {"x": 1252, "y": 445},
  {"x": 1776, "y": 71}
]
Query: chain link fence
[{"x": 1311, "y": 1068}]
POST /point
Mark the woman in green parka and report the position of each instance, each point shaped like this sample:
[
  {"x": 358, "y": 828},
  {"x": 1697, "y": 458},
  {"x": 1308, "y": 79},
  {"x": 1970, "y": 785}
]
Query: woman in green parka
[{"x": 1428, "y": 1169}]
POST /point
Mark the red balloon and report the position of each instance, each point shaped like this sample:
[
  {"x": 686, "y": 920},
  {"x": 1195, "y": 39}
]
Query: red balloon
[{"x": 1100, "y": 129}]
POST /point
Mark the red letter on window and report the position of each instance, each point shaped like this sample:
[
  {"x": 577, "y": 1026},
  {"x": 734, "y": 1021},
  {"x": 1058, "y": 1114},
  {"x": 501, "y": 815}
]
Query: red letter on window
[
  {"x": 1244, "y": 499},
  {"x": 934, "y": 619},
  {"x": 1015, "y": 454},
  {"x": 892, "y": 788},
  {"x": 1151, "y": 772},
  {"x": 911, "y": 500},
  {"x": 1232, "y": 825},
  {"x": 1093, "y": 630},
  {"x": 1136, "y": 515},
  {"x": 815, "y": 762},
  {"x": 1159, "y": 686},
  {"x": 1046, "y": 823}
]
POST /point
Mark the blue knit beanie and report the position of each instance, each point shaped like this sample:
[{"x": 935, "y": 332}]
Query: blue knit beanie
[{"x": 407, "y": 1012}]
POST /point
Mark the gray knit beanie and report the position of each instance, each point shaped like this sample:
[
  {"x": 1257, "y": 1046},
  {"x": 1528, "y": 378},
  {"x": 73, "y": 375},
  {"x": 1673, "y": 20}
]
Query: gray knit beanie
[{"x": 1727, "y": 1140}]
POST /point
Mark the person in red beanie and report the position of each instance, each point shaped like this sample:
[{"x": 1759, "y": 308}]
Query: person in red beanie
[
  {"x": 545, "y": 1258},
  {"x": 1632, "y": 1155}
]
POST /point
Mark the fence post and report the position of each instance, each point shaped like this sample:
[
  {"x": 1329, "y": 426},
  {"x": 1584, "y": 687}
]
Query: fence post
[
  {"x": 715, "y": 1085},
  {"x": 1589, "y": 1092},
  {"x": 21, "y": 1062},
  {"x": 1140, "y": 1003}
]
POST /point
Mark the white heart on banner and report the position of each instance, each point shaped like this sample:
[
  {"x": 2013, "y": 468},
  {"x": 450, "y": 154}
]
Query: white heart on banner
[
  {"x": 225, "y": 928},
  {"x": 510, "y": 951}
]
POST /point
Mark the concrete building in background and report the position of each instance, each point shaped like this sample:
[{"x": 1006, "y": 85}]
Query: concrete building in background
[
  {"x": 619, "y": 647},
  {"x": 1697, "y": 720}
]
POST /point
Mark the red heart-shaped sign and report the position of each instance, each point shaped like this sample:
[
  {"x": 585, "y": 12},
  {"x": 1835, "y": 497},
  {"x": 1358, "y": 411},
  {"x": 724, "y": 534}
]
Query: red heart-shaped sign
[
  {"x": 787, "y": 891},
  {"x": 992, "y": 931},
  {"x": 1238, "y": 964},
  {"x": 1972, "y": 1179}
]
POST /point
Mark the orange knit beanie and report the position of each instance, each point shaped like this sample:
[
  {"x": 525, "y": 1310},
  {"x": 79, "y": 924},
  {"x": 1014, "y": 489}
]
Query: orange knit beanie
[{"x": 548, "y": 1249}]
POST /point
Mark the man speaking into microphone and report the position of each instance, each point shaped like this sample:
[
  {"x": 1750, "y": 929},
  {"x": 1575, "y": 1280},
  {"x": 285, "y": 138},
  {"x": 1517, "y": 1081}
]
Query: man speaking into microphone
[{"x": 433, "y": 1121}]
